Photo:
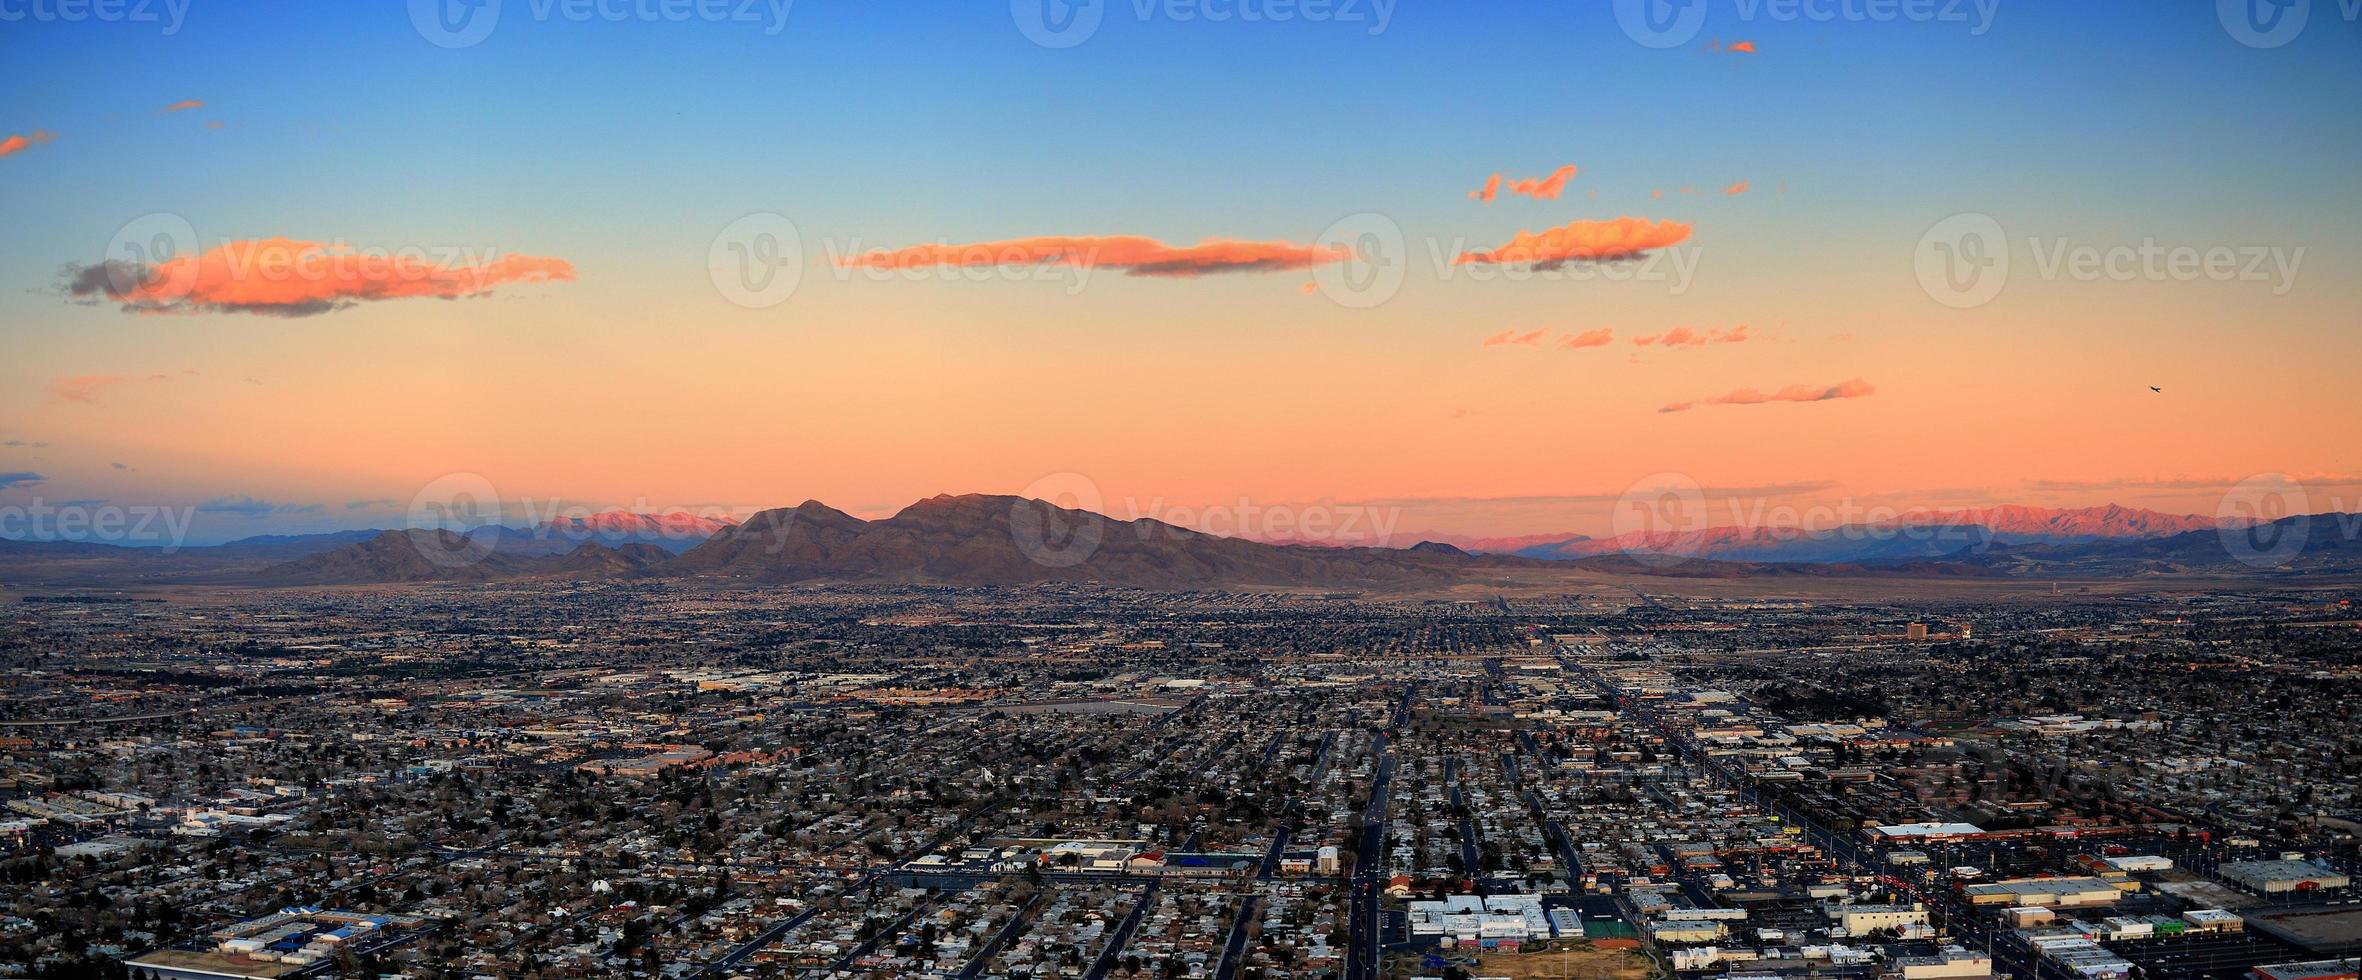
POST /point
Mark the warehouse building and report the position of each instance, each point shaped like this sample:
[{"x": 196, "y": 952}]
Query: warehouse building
[
  {"x": 2052, "y": 892},
  {"x": 1912, "y": 833},
  {"x": 2311, "y": 970},
  {"x": 2276, "y": 877}
]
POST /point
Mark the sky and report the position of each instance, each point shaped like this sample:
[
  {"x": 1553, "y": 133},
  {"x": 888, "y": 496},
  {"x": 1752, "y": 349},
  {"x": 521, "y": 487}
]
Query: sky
[{"x": 287, "y": 267}]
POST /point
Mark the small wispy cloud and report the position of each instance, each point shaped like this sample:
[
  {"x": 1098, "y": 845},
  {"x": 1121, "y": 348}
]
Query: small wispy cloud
[
  {"x": 20, "y": 478},
  {"x": 241, "y": 505},
  {"x": 368, "y": 504},
  {"x": 1539, "y": 188},
  {"x": 1685, "y": 337},
  {"x": 1600, "y": 337},
  {"x": 17, "y": 143},
  {"x": 1855, "y": 388},
  {"x": 182, "y": 106},
  {"x": 1511, "y": 338},
  {"x": 88, "y": 388},
  {"x": 1134, "y": 254}
]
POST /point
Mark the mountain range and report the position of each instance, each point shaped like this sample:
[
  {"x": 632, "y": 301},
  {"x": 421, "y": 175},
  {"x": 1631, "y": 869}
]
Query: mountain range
[
  {"x": 1011, "y": 541},
  {"x": 1910, "y": 536}
]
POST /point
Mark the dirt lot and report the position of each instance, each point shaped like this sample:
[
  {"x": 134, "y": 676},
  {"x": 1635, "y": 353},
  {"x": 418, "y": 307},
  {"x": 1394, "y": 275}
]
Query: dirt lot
[{"x": 1572, "y": 961}]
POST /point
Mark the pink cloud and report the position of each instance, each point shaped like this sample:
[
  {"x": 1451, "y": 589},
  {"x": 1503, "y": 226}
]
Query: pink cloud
[
  {"x": 17, "y": 143},
  {"x": 1684, "y": 337},
  {"x": 286, "y": 277},
  {"x": 1582, "y": 241},
  {"x": 1132, "y": 253},
  {"x": 1589, "y": 338},
  {"x": 182, "y": 106},
  {"x": 1737, "y": 189},
  {"x": 1741, "y": 47},
  {"x": 1539, "y": 188},
  {"x": 88, "y": 387},
  {"x": 1855, "y": 388},
  {"x": 1511, "y": 338}
]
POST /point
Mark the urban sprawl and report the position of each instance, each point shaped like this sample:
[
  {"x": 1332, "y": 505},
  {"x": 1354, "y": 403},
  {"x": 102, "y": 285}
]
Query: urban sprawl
[{"x": 630, "y": 780}]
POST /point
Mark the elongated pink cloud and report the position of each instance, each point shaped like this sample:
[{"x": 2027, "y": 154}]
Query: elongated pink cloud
[
  {"x": 16, "y": 143},
  {"x": 182, "y": 106},
  {"x": 88, "y": 387},
  {"x": 1511, "y": 338},
  {"x": 1134, "y": 254},
  {"x": 1737, "y": 189},
  {"x": 1589, "y": 338},
  {"x": 1741, "y": 47},
  {"x": 1855, "y": 388},
  {"x": 1539, "y": 188},
  {"x": 287, "y": 277},
  {"x": 1581, "y": 241},
  {"x": 1683, "y": 337}
]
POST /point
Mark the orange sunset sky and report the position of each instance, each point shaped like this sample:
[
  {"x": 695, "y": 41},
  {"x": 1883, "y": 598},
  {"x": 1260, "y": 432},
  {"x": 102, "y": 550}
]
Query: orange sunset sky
[{"x": 1486, "y": 270}]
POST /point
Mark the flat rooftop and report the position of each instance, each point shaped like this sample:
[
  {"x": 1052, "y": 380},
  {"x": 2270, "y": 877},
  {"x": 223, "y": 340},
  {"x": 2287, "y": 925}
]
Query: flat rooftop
[
  {"x": 210, "y": 964},
  {"x": 2321, "y": 929}
]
